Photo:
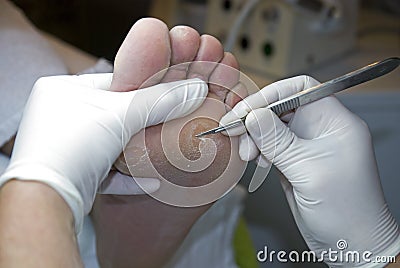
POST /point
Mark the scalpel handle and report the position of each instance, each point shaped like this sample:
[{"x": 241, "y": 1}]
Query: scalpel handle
[
  {"x": 330, "y": 87},
  {"x": 320, "y": 91}
]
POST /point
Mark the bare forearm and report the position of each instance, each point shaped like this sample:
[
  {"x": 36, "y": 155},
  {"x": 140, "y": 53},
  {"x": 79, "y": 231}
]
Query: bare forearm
[{"x": 36, "y": 227}]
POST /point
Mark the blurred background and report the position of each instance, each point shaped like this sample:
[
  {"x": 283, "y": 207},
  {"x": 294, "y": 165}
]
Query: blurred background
[{"x": 272, "y": 39}]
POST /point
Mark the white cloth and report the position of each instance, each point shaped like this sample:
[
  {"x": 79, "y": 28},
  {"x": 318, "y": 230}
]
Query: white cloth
[
  {"x": 4, "y": 159},
  {"x": 25, "y": 56},
  {"x": 87, "y": 244}
]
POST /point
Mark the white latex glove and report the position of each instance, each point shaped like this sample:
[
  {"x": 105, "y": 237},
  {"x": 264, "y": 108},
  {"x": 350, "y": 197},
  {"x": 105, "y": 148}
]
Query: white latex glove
[
  {"x": 326, "y": 154},
  {"x": 72, "y": 132}
]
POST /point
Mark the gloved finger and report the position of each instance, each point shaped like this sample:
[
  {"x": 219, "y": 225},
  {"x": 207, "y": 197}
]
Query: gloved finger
[
  {"x": 240, "y": 110},
  {"x": 320, "y": 118},
  {"x": 269, "y": 133},
  {"x": 269, "y": 94},
  {"x": 280, "y": 90},
  {"x": 262, "y": 161},
  {"x": 247, "y": 148},
  {"x": 164, "y": 102},
  {"x": 287, "y": 117},
  {"x": 120, "y": 184},
  {"x": 100, "y": 81}
]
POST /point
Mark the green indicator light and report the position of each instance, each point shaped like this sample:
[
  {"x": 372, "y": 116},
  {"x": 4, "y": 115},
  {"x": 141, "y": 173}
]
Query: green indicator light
[{"x": 268, "y": 49}]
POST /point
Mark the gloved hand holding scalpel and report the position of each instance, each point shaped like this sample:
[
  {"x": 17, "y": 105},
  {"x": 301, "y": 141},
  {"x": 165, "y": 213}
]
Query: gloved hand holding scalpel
[{"x": 330, "y": 178}]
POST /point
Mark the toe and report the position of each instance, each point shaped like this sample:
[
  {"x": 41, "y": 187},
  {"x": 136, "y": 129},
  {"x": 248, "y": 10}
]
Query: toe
[
  {"x": 225, "y": 76},
  {"x": 210, "y": 50},
  {"x": 145, "y": 51},
  {"x": 236, "y": 94},
  {"x": 185, "y": 42}
]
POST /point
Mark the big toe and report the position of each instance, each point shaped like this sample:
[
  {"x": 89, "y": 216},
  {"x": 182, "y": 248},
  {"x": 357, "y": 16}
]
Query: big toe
[{"x": 145, "y": 51}]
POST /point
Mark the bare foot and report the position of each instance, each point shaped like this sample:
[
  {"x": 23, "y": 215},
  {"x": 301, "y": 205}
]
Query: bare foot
[{"x": 139, "y": 231}]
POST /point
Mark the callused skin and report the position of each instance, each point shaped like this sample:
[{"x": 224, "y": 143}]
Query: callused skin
[
  {"x": 177, "y": 138},
  {"x": 139, "y": 231}
]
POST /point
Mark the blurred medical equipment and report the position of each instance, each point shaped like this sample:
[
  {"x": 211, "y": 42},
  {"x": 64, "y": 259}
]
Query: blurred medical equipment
[
  {"x": 280, "y": 38},
  {"x": 320, "y": 91},
  {"x": 272, "y": 37}
]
